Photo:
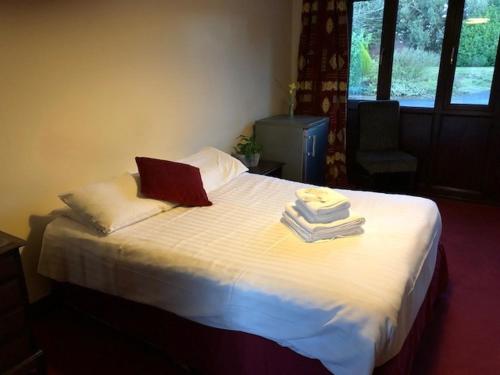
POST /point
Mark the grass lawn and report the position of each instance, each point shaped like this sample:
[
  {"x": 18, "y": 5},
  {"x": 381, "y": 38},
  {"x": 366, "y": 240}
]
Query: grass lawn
[
  {"x": 472, "y": 80},
  {"x": 468, "y": 80}
]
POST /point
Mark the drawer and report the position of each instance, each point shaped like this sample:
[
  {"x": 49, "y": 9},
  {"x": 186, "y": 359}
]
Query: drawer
[
  {"x": 11, "y": 295},
  {"x": 12, "y": 324},
  {"x": 15, "y": 351},
  {"x": 9, "y": 265}
]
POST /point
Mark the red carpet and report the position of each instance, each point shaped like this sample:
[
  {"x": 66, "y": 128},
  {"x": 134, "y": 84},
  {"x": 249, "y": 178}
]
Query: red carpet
[{"x": 464, "y": 337}]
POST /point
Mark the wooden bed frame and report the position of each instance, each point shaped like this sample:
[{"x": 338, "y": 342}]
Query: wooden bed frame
[{"x": 205, "y": 350}]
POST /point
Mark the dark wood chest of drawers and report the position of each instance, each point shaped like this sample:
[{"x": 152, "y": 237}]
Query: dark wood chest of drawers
[{"x": 18, "y": 353}]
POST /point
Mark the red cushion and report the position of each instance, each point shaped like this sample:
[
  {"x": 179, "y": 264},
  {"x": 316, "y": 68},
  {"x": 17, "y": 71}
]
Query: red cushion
[{"x": 171, "y": 181}]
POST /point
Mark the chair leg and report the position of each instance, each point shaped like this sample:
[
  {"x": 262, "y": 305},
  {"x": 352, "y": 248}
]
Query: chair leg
[
  {"x": 412, "y": 182},
  {"x": 371, "y": 182}
]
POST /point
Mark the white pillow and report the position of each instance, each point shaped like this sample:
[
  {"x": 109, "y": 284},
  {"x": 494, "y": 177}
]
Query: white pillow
[
  {"x": 216, "y": 167},
  {"x": 113, "y": 204},
  {"x": 71, "y": 214}
]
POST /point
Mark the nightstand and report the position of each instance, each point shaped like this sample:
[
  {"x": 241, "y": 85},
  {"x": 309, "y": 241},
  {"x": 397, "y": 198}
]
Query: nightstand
[
  {"x": 268, "y": 168},
  {"x": 18, "y": 354}
]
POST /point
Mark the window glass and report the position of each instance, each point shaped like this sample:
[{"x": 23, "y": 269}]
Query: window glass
[
  {"x": 365, "y": 48},
  {"x": 417, "y": 51},
  {"x": 476, "y": 52}
]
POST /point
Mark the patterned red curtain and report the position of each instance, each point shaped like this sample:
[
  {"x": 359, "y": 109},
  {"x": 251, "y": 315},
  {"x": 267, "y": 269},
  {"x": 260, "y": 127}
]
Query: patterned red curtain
[{"x": 322, "y": 76}]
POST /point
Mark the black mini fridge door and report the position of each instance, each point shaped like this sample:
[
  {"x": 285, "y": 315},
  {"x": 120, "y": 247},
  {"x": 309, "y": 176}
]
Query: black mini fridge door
[{"x": 315, "y": 144}]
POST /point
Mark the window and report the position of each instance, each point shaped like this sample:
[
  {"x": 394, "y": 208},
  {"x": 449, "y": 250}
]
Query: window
[
  {"x": 476, "y": 52},
  {"x": 425, "y": 53},
  {"x": 417, "y": 51},
  {"x": 365, "y": 48}
]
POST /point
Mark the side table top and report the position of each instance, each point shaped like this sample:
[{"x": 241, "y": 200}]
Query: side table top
[
  {"x": 265, "y": 167},
  {"x": 9, "y": 242}
]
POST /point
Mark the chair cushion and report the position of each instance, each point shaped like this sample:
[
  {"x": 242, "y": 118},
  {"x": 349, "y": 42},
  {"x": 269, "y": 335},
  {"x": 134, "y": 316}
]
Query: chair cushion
[
  {"x": 379, "y": 125},
  {"x": 386, "y": 161}
]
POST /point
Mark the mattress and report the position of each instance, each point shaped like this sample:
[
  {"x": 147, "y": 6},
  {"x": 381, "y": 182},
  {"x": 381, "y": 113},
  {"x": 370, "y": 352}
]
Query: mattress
[{"x": 349, "y": 302}]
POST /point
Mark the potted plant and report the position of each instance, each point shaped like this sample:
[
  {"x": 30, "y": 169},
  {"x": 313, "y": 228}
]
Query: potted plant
[{"x": 248, "y": 150}]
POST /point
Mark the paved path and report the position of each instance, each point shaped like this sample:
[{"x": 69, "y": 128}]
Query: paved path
[{"x": 478, "y": 98}]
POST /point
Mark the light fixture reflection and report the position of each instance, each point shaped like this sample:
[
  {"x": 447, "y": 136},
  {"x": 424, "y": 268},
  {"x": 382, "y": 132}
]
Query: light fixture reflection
[{"x": 476, "y": 20}]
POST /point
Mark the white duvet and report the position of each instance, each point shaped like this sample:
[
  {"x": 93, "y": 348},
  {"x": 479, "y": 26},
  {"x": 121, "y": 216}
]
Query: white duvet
[{"x": 348, "y": 302}]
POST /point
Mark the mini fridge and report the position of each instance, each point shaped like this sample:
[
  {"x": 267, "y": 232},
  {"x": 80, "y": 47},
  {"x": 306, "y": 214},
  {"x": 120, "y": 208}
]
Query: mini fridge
[{"x": 299, "y": 141}]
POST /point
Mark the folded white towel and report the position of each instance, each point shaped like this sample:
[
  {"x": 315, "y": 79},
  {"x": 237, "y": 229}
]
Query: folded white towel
[
  {"x": 337, "y": 214},
  {"x": 334, "y": 226},
  {"x": 313, "y": 237},
  {"x": 322, "y": 200}
]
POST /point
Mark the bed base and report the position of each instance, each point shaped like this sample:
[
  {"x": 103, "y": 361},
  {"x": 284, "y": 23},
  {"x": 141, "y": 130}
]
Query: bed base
[{"x": 212, "y": 351}]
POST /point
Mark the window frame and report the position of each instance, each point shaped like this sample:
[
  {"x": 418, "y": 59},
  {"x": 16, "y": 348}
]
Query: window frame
[
  {"x": 387, "y": 41},
  {"x": 447, "y": 65}
]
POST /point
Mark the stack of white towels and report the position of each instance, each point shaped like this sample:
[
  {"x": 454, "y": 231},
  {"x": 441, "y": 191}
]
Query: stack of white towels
[{"x": 320, "y": 214}]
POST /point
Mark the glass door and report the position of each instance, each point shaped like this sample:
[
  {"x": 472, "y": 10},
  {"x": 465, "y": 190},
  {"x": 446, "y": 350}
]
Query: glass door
[
  {"x": 477, "y": 52},
  {"x": 417, "y": 51}
]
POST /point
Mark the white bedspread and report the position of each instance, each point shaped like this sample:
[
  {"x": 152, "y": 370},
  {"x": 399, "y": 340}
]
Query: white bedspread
[{"x": 349, "y": 302}]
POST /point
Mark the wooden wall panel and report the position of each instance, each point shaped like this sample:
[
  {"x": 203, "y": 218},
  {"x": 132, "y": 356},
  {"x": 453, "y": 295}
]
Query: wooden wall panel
[
  {"x": 492, "y": 182},
  {"x": 458, "y": 151},
  {"x": 461, "y": 153}
]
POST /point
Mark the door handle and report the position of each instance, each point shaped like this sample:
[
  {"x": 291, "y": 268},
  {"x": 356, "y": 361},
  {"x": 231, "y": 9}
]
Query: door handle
[
  {"x": 307, "y": 138},
  {"x": 314, "y": 146}
]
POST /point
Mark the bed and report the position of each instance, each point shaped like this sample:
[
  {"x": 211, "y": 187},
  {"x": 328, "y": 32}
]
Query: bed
[{"x": 350, "y": 303}]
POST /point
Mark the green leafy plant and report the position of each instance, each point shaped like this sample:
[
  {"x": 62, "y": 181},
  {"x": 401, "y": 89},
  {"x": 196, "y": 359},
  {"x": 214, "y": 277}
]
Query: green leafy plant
[
  {"x": 247, "y": 146},
  {"x": 411, "y": 75},
  {"x": 366, "y": 59},
  {"x": 478, "y": 42},
  {"x": 364, "y": 68}
]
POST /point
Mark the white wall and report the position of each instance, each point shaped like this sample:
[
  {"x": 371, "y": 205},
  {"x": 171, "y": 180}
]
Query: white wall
[{"x": 86, "y": 85}]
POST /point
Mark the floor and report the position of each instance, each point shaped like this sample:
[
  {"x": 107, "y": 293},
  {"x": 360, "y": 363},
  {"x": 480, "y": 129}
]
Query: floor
[{"x": 464, "y": 337}]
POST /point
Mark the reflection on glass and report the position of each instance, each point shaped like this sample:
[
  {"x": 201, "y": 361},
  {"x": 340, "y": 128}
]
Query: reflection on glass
[
  {"x": 417, "y": 51},
  {"x": 476, "y": 52},
  {"x": 365, "y": 48}
]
